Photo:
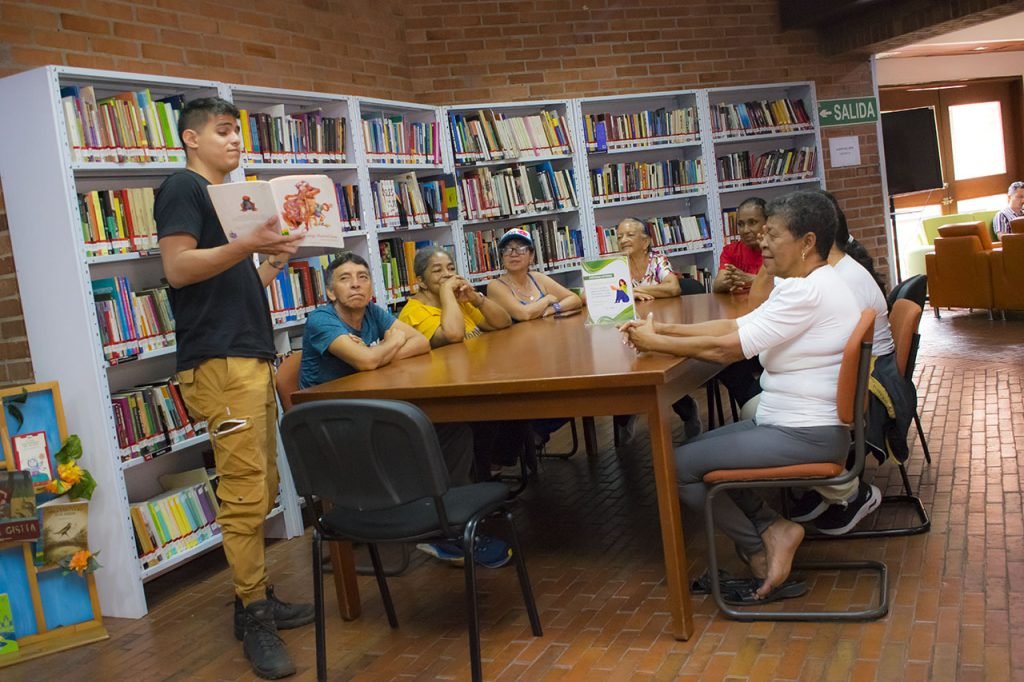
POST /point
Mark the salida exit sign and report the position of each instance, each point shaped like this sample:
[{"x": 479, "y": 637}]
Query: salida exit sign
[{"x": 845, "y": 112}]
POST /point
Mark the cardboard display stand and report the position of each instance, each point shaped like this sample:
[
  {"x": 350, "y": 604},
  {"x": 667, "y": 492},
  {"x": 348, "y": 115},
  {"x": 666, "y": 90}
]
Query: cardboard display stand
[{"x": 51, "y": 611}]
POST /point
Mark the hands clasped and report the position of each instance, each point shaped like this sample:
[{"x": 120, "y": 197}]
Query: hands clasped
[{"x": 639, "y": 334}]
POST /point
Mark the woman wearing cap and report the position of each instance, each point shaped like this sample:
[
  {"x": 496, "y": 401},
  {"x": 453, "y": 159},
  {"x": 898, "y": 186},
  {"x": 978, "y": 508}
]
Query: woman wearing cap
[
  {"x": 650, "y": 271},
  {"x": 446, "y": 308},
  {"x": 527, "y": 295}
]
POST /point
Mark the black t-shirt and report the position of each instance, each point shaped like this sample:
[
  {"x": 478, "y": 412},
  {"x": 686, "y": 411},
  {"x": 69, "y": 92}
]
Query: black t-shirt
[{"x": 226, "y": 315}]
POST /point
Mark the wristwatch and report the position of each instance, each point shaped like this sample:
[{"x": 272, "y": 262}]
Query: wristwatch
[
  {"x": 557, "y": 307},
  {"x": 277, "y": 266}
]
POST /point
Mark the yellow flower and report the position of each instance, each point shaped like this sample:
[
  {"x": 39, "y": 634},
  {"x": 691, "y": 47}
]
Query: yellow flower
[
  {"x": 70, "y": 473},
  {"x": 80, "y": 561}
]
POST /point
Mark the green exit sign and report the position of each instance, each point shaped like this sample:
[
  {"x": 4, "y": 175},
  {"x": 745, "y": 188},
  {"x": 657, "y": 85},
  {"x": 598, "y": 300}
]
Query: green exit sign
[{"x": 845, "y": 112}]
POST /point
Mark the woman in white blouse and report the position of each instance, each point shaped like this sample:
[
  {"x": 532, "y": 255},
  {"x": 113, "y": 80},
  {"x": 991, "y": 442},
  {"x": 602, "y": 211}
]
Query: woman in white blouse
[{"x": 799, "y": 334}]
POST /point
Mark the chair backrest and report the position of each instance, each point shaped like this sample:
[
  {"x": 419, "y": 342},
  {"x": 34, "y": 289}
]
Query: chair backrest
[
  {"x": 1017, "y": 226},
  {"x": 852, "y": 387},
  {"x": 913, "y": 289},
  {"x": 847, "y": 388},
  {"x": 287, "y": 380},
  {"x": 688, "y": 286},
  {"x": 904, "y": 320},
  {"x": 968, "y": 229},
  {"x": 364, "y": 454}
]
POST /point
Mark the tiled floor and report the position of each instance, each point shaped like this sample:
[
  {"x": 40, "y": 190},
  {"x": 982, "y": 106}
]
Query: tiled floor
[{"x": 591, "y": 538}]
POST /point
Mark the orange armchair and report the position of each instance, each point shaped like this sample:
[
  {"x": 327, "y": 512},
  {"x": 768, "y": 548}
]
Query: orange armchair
[
  {"x": 1008, "y": 273},
  {"x": 959, "y": 273},
  {"x": 1017, "y": 226},
  {"x": 972, "y": 229}
]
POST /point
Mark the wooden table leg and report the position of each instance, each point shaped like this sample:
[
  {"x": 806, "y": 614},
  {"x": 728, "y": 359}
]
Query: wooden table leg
[
  {"x": 672, "y": 541},
  {"x": 344, "y": 564},
  {"x": 590, "y": 436}
]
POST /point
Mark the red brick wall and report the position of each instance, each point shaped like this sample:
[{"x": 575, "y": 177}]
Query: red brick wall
[
  {"x": 354, "y": 47},
  {"x": 491, "y": 51}
]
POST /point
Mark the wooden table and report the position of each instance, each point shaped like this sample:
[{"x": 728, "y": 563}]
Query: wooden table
[{"x": 558, "y": 368}]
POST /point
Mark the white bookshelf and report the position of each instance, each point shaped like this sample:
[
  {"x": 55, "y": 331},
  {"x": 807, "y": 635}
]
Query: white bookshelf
[
  {"x": 730, "y": 193},
  {"x": 567, "y": 269},
  {"x": 637, "y": 131},
  {"x": 374, "y": 167}
]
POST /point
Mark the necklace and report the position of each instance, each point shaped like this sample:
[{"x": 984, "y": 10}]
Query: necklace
[{"x": 519, "y": 292}]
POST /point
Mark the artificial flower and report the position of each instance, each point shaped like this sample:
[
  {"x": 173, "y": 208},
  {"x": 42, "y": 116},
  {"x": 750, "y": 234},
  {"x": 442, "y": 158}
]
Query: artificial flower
[
  {"x": 80, "y": 561},
  {"x": 70, "y": 473}
]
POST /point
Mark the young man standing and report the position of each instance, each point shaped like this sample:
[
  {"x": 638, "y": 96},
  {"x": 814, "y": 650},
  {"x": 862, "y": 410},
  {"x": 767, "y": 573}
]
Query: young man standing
[
  {"x": 225, "y": 350},
  {"x": 1013, "y": 210},
  {"x": 351, "y": 334}
]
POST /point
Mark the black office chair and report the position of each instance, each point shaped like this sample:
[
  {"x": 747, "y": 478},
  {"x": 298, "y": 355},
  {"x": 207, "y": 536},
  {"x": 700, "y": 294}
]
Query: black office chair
[
  {"x": 851, "y": 400},
  {"x": 914, "y": 289},
  {"x": 380, "y": 465}
]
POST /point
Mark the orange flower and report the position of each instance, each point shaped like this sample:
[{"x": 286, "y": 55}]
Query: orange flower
[
  {"x": 57, "y": 486},
  {"x": 70, "y": 473},
  {"x": 80, "y": 561}
]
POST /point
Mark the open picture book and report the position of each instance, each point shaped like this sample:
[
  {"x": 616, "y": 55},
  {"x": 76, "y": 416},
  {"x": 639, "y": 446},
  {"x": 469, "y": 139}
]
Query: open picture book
[{"x": 305, "y": 204}]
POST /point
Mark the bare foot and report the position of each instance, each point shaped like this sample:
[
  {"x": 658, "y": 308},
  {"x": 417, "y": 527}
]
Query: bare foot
[
  {"x": 759, "y": 564},
  {"x": 781, "y": 540}
]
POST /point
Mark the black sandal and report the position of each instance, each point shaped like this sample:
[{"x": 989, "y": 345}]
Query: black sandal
[
  {"x": 728, "y": 583},
  {"x": 746, "y": 597}
]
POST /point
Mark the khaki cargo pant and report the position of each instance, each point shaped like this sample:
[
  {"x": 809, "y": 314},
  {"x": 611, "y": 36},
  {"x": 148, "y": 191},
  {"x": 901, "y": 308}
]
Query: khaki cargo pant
[{"x": 236, "y": 398}]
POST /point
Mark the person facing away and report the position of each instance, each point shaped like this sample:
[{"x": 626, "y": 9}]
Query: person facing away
[
  {"x": 741, "y": 260},
  {"x": 1014, "y": 208},
  {"x": 225, "y": 351},
  {"x": 799, "y": 333},
  {"x": 523, "y": 294},
  {"x": 352, "y": 334}
]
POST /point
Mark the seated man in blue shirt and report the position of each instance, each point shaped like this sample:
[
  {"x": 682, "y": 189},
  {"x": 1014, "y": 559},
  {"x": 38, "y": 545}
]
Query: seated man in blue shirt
[{"x": 352, "y": 334}]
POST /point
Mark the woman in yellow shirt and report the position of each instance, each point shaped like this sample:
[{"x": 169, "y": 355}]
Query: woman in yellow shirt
[{"x": 447, "y": 309}]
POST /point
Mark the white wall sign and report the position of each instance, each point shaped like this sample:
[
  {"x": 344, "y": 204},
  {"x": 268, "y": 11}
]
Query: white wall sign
[{"x": 844, "y": 151}]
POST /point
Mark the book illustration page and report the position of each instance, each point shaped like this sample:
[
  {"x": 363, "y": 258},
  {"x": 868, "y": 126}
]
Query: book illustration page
[
  {"x": 308, "y": 204},
  {"x": 32, "y": 454}
]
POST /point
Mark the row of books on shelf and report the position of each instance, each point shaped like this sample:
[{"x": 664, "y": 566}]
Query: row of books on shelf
[
  {"x": 177, "y": 520},
  {"x": 406, "y": 201},
  {"x": 275, "y": 136},
  {"x": 552, "y": 243},
  {"x": 394, "y": 139},
  {"x": 491, "y": 194},
  {"x": 771, "y": 164},
  {"x": 610, "y": 132},
  {"x": 151, "y": 418},
  {"x": 298, "y": 289},
  {"x": 396, "y": 258},
  {"x": 127, "y": 127},
  {"x": 493, "y": 136},
  {"x": 131, "y": 322},
  {"x": 759, "y": 117},
  {"x": 117, "y": 221},
  {"x": 663, "y": 231},
  {"x": 615, "y": 182}
]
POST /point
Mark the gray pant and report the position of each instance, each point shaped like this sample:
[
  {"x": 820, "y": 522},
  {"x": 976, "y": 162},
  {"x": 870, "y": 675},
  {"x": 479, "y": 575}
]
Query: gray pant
[{"x": 742, "y": 514}]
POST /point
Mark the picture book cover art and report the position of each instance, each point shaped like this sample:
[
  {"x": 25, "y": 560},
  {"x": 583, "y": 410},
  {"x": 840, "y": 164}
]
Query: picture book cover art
[
  {"x": 609, "y": 291},
  {"x": 18, "y": 519},
  {"x": 32, "y": 454},
  {"x": 65, "y": 528},
  {"x": 8, "y": 645},
  {"x": 305, "y": 204}
]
